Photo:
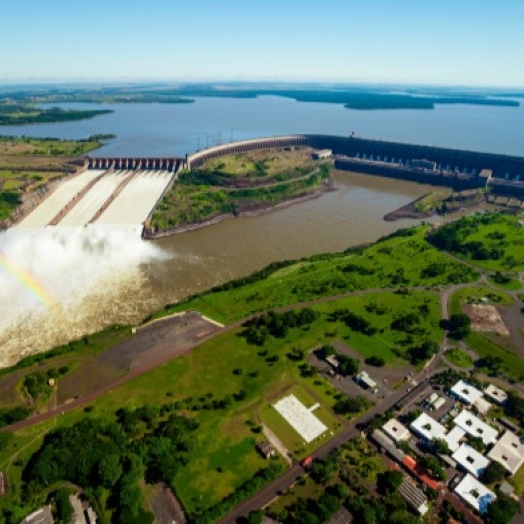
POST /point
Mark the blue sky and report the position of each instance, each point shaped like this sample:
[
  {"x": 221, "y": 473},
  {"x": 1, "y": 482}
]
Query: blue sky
[{"x": 457, "y": 42}]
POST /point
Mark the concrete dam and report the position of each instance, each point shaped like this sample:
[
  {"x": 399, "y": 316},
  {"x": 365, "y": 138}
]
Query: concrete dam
[
  {"x": 120, "y": 192},
  {"x": 125, "y": 191}
]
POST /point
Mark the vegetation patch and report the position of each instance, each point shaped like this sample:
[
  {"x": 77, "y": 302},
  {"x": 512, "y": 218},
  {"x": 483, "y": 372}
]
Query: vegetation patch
[
  {"x": 493, "y": 241},
  {"x": 459, "y": 358}
]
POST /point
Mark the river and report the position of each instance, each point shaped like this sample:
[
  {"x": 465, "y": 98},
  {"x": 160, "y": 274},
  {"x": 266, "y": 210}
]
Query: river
[{"x": 117, "y": 280}]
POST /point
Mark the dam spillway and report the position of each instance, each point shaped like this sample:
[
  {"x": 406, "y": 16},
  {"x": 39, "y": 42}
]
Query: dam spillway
[{"x": 122, "y": 198}]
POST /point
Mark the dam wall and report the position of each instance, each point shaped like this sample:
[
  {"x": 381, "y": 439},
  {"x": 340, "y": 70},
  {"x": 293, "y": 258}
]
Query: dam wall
[{"x": 135, "y": 164}]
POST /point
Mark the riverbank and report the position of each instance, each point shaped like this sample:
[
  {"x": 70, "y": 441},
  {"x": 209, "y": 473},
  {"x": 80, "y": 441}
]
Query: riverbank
[{"x": 149, "y": 234}]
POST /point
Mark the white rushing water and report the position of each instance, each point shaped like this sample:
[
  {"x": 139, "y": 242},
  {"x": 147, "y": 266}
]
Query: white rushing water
[{"x": 54, "y": 281}]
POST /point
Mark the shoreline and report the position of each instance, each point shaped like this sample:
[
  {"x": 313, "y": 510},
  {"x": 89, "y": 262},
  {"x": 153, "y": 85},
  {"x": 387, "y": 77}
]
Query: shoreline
[{"x": 148, "y": 234}]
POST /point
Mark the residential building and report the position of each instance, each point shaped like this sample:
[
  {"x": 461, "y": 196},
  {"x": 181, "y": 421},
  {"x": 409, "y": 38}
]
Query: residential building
[
  {"x": 496, "y": 394},
  {"x": 465, "y": 392},
  {"x": 475, "y": 427},
  {"x": 427, "y": 428},
  {"x": 508, "y": 451},
  {"x": 395, "y": 430},
  {"x": 470, "y": 460},
  {"x": 475, "y": 493}
]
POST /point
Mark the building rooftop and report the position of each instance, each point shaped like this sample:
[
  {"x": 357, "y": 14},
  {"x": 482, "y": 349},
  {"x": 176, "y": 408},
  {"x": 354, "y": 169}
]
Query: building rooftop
[
  {"x": 385, "y": 442},
  {"x": 508, "y": 451},
  {"x": 397, "y": 431},
  {"x": 414, "y": 497},
  {"x": 496, "y": 394},
  {"x": 482, "y": 405},
  {"x": 475, "y": 427},
  {"x": 506, "y": 488},
  {"x": 427, "y": 427},
  {"x": 475, "y": 493},
  {"x": 365, "y": 379},
  {"x": 466, "y": 392},
  {"x": 470, "y": 459},
  {"x": 454, "y": 437}
]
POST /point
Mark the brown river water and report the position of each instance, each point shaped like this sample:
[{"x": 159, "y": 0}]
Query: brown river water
[{"x": 192, "y": 262}]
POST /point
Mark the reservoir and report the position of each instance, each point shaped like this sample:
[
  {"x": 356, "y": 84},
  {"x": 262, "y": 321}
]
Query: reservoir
[{"x": 117, "y": 278}]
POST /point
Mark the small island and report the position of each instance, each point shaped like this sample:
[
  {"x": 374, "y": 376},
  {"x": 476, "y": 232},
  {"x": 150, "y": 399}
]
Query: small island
[
  {"x": 239, "y": 185},
  {"x": 13, "y": 114}
]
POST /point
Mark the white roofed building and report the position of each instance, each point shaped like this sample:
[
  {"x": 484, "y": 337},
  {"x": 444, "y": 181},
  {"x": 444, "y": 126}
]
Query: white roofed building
[
  {"x": 475, "y": 427},
  {"x": 465, "y": 392},
  {"x": 454, "y": 437},
  {"x": 470, "y": 460},
  {"x": 427, "y": 428},
  {"x": 508, "y": 451},
  {"x": 482, "y": 405},
  {"x": 496, "y": 394},
  {"x": 395, "y": 430},
  {"x": 475, "y": 493}
]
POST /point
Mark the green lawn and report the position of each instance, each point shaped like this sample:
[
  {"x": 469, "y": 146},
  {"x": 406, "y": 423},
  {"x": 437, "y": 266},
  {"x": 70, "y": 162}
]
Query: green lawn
[
  {"x": 512, "y": 283},
  {"x": 459, "y": 358},
  {"x": 395, "y": 262},
  {"x": 473, "y": 294},
  {"x": 493, "y": 241}
]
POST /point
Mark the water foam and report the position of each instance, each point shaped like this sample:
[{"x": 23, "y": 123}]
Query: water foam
[{"x": 80, "y": 272}]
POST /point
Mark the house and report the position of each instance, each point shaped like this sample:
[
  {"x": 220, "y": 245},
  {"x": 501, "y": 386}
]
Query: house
[
  {"x": 475, "y": 493},
  {"x": 475, "y": 427},
  {"x": 266, "y": 449},
  {"x": 496, "y": 394},
  {"x": 465, "y": 392},
  {"x": 454, "y": 437},
  {"x": 395, "y": 430},
  {"x": 386, "y": 444},
  {"x": 427, "y": 428},
  {"x": 365, "y": 380},
  {"x": 414, "y": 497},
  {"x": 470, "y": 460},
  {"x": 508, "y": 451}
]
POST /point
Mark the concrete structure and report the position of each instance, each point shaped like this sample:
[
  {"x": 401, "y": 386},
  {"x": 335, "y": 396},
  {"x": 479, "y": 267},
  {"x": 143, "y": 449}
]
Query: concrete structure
[
  {"x": 507, "y": 489},
  {"x": 333, "y": 361},
  {"x": 396, "y": 431},
  {"x": 465, "y": 392},
  {"x": 496, "y": 394},
  {"x": 427, "y": 428},
  {"x": 454, "y": 437},
  {"x": 365, "y": 380},
  {"x": 482, "y": 405},
  {"x": 475, "y": 493},
  {"x": 266, "y": 449},
  {"x": 470, "y": 460},
  {"x": 475, "y": 427},
  {"x": 135, "y": 164},
  {"x": 301, "y": 419},
  {"x": 508, "y": 451},
  {"x": 322, "y": 153},
  {"x": 47, "y": 210},
  {"x": 384, "y": 442},
  {"x": 414, "y": 497},
  {"x": 439, "y": 403},
  {"x": 40, "y": 516}
]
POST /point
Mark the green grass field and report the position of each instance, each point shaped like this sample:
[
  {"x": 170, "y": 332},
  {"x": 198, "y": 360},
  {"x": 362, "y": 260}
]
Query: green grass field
[
  {"x": 513, "y": 284},
  {"x": 224, "y": 452},
  {"x": 492, "y": 241},
  {"x": 475, "y": 294},
  {"x": 459, "y": 358},
  {"x": 392, "y": 263}
]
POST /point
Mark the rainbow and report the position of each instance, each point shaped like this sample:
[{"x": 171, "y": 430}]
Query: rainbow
[{"x": 27, "y": 281}]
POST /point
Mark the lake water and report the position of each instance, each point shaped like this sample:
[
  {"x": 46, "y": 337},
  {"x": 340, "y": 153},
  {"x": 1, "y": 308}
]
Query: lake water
[
  {"x": 132, "y": 281},
  {"x": 177, "y": 129}
]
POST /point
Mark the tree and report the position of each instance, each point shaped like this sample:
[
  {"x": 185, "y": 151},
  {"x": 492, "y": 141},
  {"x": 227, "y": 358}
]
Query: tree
[
  {"x": 460, "y": 324},
  {"x": 494, "y": 472},
  {"x": 375, "y": 361},
  {"x": 255, "y": 517},
  {"x": 441, "y": 446},
  {"x": 347, "y": 365},
  {"x": 502, "y": 510},
  {"x": 389, "y": 481},
  {"x": 109, "y": 470}
]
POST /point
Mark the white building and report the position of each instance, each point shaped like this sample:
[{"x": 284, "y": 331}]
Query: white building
[
  {"x": 496, "y": 394},
  {"x": 454, "y": 437},
  {"x": 482, "y": 405},
  {"x": 365, "y": 380},
  {"x": 395, "y": 430},
  {"x": 508, "y": 451},
  {"x": 475, "y": 427},
  {"x": 470, "y": 460},
  {"x": 465, "y": 392},
  {"x": 475, "y": 493},
  {"x": 428, "y": 428}
]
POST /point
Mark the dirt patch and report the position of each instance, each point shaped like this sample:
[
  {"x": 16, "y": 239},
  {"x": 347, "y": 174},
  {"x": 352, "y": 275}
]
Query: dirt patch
[
  {"x": 486, "y": 319},
  {"x": 165, "y": 506},
  {"x": 171, "y": 336}
]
